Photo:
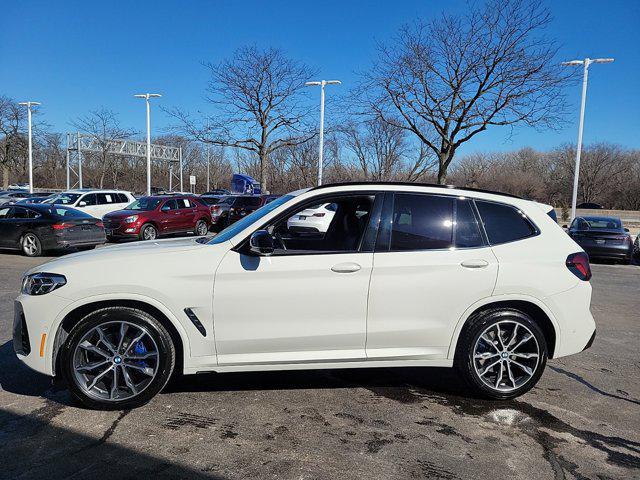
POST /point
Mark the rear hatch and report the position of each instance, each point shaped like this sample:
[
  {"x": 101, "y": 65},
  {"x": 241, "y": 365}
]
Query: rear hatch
[{"x": 600, "y": 237}]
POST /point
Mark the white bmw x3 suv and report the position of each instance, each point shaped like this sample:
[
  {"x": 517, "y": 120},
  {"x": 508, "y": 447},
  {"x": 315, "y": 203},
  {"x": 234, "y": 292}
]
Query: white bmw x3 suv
[{"x": 405, "y": 275}]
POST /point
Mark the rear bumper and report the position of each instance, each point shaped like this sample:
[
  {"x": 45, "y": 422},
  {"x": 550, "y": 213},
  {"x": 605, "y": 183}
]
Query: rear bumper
[
  {"x": 619, "y": 252},
  {"x": 575, "y": 326}
]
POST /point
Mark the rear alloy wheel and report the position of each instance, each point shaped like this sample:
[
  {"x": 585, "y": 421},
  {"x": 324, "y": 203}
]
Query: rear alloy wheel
[
  {"x": 201, "y": 228},
  {"x": 30, "y": 244},
  {"x": 501, "y": 353},
  {"x": 148, "y": 232},
  {"x": 117, "y": 358}
]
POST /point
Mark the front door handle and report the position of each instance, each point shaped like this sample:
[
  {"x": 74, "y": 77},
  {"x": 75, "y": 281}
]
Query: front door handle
[
  {"x": 475, "y": 263},
  {"x": 347, "y": 267}
]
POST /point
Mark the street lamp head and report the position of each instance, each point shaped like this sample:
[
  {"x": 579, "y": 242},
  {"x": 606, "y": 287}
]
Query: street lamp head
[
  {"x": 602, "y": 60},
  {"x": 29, "y": 104},
  {"x": 312, "y": 84},
  {"x": 572, "y": 63},
  {"x": 333, "y": 82},
  {"x": 147, "y": 95}
]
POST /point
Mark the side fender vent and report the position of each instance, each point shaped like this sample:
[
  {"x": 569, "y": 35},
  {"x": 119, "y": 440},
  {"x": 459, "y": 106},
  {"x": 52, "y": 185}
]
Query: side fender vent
[{"x": 196, "y": 321}]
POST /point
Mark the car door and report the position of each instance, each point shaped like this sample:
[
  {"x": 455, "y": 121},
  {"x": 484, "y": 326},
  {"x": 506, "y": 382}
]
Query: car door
[
  {"x": 432, "y": 262},
  {"x": 88, "y": 203},
  {"x": 187, "y": 214},
  {"x": 169, "y": 217},
  {"x": 304, "y": 304},
  {"x": 6, "y": 227}
]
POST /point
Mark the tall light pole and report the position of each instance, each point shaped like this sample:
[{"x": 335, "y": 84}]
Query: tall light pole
[
  {"x": 585, "y": 64},
  {"x": 147, "y": 96},
  {"x": 29, "y": 105},
  {"x": 322, "y": 84}
]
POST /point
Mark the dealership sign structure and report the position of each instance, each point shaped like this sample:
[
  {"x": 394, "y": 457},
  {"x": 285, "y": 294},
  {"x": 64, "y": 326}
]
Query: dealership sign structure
[{"x": 77, "y": 143}]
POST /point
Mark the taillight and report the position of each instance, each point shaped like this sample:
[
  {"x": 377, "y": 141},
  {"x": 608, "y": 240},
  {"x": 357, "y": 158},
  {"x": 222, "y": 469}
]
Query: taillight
[
  {"x": 100, "y": 224},
  {"x": 578, "y": 264},
  {"x": 318, "y": 214},
  {"x": 61, "y": 226}
]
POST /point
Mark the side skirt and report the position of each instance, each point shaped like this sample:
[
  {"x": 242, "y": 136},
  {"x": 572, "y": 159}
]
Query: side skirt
[{"x": 319, "y": 366}]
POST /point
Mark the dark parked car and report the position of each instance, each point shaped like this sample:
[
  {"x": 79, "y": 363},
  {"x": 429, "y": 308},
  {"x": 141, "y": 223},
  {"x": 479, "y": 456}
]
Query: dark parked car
[
  {"x": 150, "y": 217},
  {"x": 231, "y": 209},
  {"x": 602, "y": 237},
  {"x": 217, "y": 192},
  {"x": 14, "y": 196},
  {"x": 590, "y": 205},
  {"x": 36, "y": 198},
  {"x": 39, "y": 227}
]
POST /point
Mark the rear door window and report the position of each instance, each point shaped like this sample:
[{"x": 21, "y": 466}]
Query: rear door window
[
  {"x": 504, "y": 223},
  {"x": 466, "y": 229},
  {"x": 422, "y": 222},
  {"x": 183, "y": 203},
  {"x": 105, "y": 198}
]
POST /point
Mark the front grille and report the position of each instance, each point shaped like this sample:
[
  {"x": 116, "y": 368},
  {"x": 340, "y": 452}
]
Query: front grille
[
  {"x": 111, "y": 224},
  {"x": 21, "y": 343}
]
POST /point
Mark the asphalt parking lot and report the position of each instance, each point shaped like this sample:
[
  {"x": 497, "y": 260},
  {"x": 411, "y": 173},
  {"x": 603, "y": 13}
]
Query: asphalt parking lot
[{"x": 582, "y": 420}]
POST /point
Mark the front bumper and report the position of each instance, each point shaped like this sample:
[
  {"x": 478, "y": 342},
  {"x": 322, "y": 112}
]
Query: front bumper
[{"x": 32, "y": 336}]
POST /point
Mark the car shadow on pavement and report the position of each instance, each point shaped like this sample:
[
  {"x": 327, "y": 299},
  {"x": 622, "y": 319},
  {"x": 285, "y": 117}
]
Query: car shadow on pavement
[
  {"x": 400, "y": 383},
  {"x": 34, "y": 448},
  {"x": 16, "y": 377}
]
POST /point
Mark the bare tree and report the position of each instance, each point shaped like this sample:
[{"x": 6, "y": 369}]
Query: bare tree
[
  {"x": 13, "y": 143},
  {"x": 104, "y": 127},
  {"x": 451, "y": 78},
  {"x": 257, "y": 94},
  {"x": 382, "y": 153}
]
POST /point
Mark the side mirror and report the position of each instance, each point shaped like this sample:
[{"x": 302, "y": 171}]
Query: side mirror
[
  {"x": 82, "y": 204},
  {"x": 261, "y": 242},
  {"x": 626, "y": 230},
  {"x": 564, "y": 226}
]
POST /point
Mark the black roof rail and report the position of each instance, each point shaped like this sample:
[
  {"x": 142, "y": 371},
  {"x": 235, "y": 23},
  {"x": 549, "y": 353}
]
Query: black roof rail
[{"x": 419, "y": 184}]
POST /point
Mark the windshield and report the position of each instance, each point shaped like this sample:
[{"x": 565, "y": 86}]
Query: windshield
[
  {"x": 240, "y": 225},
  {"x": 63, "y": 199},
  {"x": 145, "y": 203}
]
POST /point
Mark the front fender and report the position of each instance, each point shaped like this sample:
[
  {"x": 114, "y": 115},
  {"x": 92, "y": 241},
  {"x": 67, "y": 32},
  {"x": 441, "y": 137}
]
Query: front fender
[{"x": 52, "y": 340}]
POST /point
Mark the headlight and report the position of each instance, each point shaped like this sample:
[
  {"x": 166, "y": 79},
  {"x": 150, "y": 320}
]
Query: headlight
[
  {"x": 130, "y": 219},
  {"x": 41, "y": 283}
]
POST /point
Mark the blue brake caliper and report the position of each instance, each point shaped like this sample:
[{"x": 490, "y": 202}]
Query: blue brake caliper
[{"x": 140, "y": 349}]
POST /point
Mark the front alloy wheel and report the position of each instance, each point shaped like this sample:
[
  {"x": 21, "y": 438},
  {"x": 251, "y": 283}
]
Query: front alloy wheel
[
  {"x": 117, "y": 357},
  {"x": 148, "y": 232},
  {"x": 501, "y": 353}
]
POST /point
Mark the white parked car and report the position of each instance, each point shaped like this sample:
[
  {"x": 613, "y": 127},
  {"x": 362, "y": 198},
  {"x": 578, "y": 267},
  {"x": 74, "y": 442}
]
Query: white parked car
[
  {"x": 96, "y": 203},
  {"x": 315, "y": 219},
  {"x": 406, "y": 275}
]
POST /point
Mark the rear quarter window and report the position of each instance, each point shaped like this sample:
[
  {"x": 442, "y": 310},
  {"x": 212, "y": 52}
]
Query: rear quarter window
[{"x": 504, "y": 223}]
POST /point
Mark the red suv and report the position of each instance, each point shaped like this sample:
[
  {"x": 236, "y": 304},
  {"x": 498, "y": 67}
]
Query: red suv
[{"x": 149, "y": 217}]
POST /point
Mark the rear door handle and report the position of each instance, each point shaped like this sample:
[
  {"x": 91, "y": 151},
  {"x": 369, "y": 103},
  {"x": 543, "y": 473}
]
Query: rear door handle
[
  {"x": 347, "y": 267},
  {"x": 475, "y": 263}
]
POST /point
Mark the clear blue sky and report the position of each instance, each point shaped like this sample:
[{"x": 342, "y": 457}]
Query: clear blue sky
[{"x": 74, "y": 56}]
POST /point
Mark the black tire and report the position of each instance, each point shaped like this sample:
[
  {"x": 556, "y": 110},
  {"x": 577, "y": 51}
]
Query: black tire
[
  {"x": 164, "y": 367},
  {"x": 148, "y": 232},
  {"x": 636, "y": 248},
  {"x": 464, "y": 358},
  {"x": 202, "y": 228},
  {"x": 30, "y": 245}
]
